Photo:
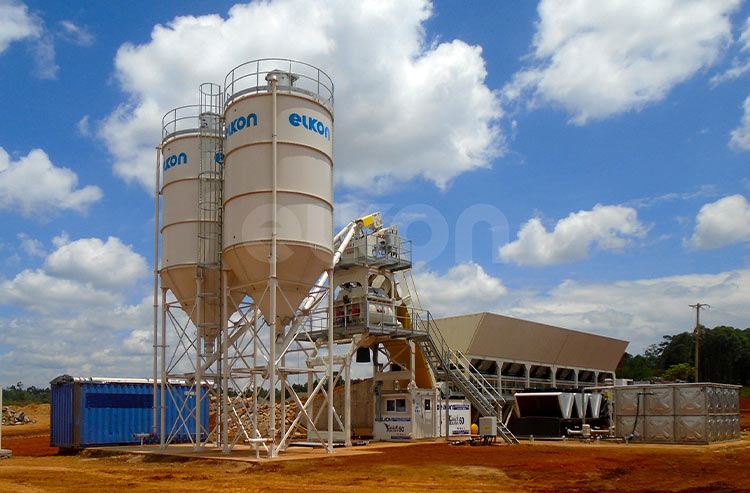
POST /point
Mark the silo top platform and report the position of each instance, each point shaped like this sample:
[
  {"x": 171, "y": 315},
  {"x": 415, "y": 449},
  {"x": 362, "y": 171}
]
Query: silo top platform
[
  {"x": 188, "y": 120},
  {"x": 293, "y": 77}
]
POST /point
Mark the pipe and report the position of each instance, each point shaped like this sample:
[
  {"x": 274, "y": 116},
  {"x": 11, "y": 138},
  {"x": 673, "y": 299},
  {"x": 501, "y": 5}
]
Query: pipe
[
  {"x": 225, "y": 365},
  {"x": 198, "y": 367},
  {"x": 637, "y": 411},
  {"x": 594, "y": 431},
  {"x": 330, "y": 361},
  {"x": 340, "y": 233},
  {"x": 413, "y": 387},
  {"x": 256, "y": 313},
  {"x": 348, "y": 401},
  {"x": 312, "y": 299},
  {"x": 1, "y": 421},
  {"x": 336, "y": 256},
  {"x": 156, "y": 282},
  {"x": 163, "y": 390},
  {"x": 273, "y": 282}
]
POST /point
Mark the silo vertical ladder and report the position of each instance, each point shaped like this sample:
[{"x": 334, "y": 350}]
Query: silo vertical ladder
[
  {"x": 448, "y": 364},
  {"x": 210, "y": 176}
]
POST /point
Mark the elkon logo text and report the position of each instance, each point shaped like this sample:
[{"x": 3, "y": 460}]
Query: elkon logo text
[
  {"x": 242, "y": 123},
  {"x": 174, "y": 160},
  {"x": 310, "y": 123}
]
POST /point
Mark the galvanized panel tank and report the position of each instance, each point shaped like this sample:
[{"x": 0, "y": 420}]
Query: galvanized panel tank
[
  {"x": 689, "y": 413},
  {"x": 181, "y": 218},
  {"x": 304, "y": 179}
]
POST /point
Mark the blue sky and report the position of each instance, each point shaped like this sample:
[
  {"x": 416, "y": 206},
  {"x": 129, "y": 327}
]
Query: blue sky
[{"x": 576, "y": 163}]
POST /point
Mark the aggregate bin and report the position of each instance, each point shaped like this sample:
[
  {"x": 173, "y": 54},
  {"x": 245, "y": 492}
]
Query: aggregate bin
[{"x": 90, "y": 412}]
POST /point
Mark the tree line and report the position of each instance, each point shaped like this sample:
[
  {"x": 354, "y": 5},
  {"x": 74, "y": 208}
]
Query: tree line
[
  {"x": 724, "y": 354},
  {"x": 18, "y": 395}
]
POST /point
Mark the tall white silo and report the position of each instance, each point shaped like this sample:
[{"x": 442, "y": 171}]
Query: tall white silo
[
  {"x": 279, "y": 163},
  {"x": 191, "y": 211}
]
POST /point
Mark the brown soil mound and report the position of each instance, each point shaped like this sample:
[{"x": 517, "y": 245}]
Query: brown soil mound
[{"x": 37, "y": 410}]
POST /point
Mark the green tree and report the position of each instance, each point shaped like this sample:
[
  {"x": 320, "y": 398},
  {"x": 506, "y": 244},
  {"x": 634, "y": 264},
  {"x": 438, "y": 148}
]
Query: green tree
[
  {"x": 676, "y": 349},
  {"x": 637, "y": 367},
  {"x": 680, "y": 371},
  {"x": 724, "y": 353},
  {"x": 20, "y": 396},
  {"x": 721, "y": 355}
]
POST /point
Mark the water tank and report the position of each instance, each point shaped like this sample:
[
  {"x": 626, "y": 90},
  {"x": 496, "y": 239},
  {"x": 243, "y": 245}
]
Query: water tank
[
  {"x": 181, "y": 217},
  {"x": 304, "y": 179}
]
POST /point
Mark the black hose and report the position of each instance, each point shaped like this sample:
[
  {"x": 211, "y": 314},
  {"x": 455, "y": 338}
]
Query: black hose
[{"x": 637, "y": 412}]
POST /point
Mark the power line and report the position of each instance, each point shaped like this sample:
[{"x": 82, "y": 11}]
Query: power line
[{"x": 697, "y": 335}]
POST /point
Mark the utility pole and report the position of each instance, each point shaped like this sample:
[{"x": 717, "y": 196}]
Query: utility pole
[{"x": 697, "y": 335}]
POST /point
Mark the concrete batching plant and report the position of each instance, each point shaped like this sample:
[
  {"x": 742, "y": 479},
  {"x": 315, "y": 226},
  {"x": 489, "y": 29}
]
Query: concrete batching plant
[{"x": 248, "y": 255}]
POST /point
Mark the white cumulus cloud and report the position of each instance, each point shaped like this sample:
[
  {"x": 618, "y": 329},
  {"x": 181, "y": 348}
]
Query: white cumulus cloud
[
  {"x": 405, "y": 106},
  {"x": 740, "y": 136},
  {"x": 34, "y": 186},
  {"x": 67, "y": 317},
  {"x": 722, "y": 223},
  {"x": 465, "y": 288},
  {"x": 16, "y": 23},
  {"x": 640, "y": 311},
  {"x": 109, "y": 264},
  {"x": 608, "y": 227},
  {"x": 38, "y": 291},
  {"x": 76, "y": 275},
  {"x": 597, "y": 59},
  {"x": 84, "y": 343}
]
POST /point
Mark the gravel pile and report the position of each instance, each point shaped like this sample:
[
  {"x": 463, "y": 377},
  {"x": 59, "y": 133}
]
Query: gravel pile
[{"x": 12, "y": 417}]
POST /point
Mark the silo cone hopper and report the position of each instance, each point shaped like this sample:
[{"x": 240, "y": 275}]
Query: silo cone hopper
[
  {"x": 182, "y": 282},
  {"x": 297, "y": 273}
]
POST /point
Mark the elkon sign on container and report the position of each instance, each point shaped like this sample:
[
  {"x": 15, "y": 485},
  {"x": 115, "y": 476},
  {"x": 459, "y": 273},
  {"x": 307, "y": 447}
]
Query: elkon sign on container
[{"x": 459, "y": 415}]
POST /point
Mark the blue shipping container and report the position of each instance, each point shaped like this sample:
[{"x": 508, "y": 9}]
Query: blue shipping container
[{"x": 94, "y": 412}]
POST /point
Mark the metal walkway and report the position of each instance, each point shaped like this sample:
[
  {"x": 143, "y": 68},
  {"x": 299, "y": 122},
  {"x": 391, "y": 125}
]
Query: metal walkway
[{"x": 448, "y": 364}]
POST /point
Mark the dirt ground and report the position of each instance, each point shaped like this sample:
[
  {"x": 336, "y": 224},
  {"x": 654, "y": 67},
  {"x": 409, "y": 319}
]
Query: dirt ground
[{"x": 538, "y": 467}]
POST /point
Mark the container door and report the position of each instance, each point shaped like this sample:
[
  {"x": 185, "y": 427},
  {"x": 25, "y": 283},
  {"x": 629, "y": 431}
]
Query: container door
[{"x": 428, "y": 413}]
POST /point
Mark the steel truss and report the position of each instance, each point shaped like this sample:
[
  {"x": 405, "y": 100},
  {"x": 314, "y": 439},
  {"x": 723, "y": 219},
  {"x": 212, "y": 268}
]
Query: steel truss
[{"x": 248, "y": 362}]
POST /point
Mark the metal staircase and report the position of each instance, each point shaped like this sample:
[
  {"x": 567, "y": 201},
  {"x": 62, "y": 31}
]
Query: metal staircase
[{"x": 447, "y": 364}]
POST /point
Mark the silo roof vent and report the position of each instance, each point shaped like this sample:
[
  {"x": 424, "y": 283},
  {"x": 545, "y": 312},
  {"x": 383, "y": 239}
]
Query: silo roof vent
[{"x": 285, "y": 79}]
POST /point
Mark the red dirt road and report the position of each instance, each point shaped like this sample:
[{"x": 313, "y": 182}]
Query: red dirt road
[{"x": 541, "y": 467}]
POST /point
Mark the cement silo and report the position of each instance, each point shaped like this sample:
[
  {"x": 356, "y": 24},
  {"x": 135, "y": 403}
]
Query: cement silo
[
  {"x": 191, "y": 221},
  {"x": 278, "y": 181},
  {"x": 247, "y": 235}
]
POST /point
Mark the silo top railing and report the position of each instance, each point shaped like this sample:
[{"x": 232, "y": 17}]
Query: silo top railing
[
  {"x": 187, "y": 120},
  {"x": 179, "y": 121},
  {"x": 303, "y": 78}
]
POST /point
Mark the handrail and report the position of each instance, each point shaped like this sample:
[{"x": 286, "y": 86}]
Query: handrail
[
  {"x": 250, "y": 77},
  {"x": 180, "y": 120},
  {"x": 476, "y": 375}
]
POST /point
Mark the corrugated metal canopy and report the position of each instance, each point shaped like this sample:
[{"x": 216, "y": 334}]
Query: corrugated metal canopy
[{"x": 497, "y": 336}]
